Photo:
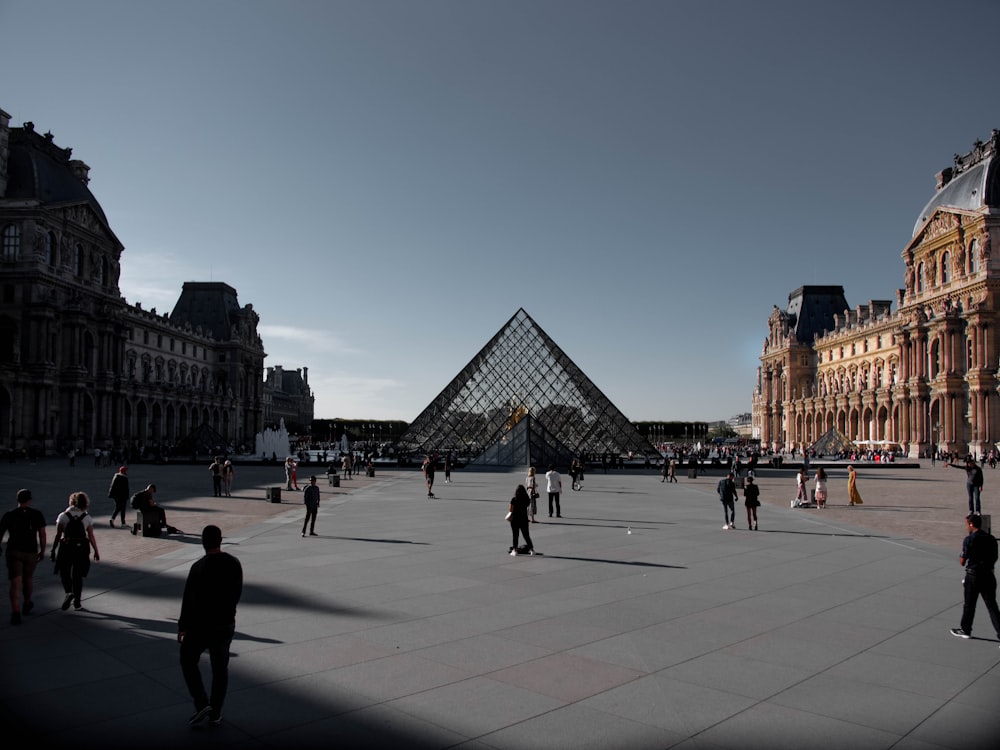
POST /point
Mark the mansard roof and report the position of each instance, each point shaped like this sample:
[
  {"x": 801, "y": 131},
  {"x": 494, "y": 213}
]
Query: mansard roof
[
  {"x": 973, "y": 183},
  {"x": 811, "y": 310},
  {"x": 210, "y": 304}
]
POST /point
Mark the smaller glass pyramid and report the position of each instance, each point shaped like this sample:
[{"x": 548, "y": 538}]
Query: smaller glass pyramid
[{"x": 521, "y": 401}]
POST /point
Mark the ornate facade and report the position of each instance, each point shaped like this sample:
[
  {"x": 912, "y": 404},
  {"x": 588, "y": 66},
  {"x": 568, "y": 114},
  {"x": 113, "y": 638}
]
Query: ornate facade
[
  {"x": 82, "y": 368},
  {"x": 922, "y": 377},
  {"x": 289, "y": 398}
]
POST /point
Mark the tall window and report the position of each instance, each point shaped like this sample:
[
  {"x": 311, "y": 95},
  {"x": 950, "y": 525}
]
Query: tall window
[
  {"x": 945, "y": 268},
  {"x": 50, "y": 250},
  {"x": 11, "y": 242},
  {"x": 972, "y": 258},
  {"x": 921, "y": 277},
  {"x": 78, "y": 261}
]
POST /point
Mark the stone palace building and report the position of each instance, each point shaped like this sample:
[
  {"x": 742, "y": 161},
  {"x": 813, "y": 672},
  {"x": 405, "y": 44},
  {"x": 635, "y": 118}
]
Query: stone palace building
[
  {"x": 82, "y": 368},
  {"x": 922, "y": 377}
]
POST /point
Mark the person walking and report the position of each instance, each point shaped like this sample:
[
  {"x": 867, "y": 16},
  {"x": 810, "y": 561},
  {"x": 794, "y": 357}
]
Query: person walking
[
  {"x": 726, "y": 488},
  {"x": 25, "y": 527},
  {"x": 979, "y": 556},
  {"x": 751, "y": 499},
  {"x": 428, "y": 468},
  {"x": 119, "y": 492},
  {"x": 517, "y": 509},
  {"x": 800, "y": 489},
  {"x": 672, "y": 472},
  {"x": 574, "y": 472},
  {"x": 216, "y": 468},
  {"x": 71, "y": 548},
  {"x": 973, "y": 482},
  {"x": 820, "y": 489},
  {"x": 553, "y": 485},
  {"x": 310, "y": 496},
  {"x": 852, "y": 487},
  {"x": 289, "y": 472},
  {"x": 531, "y": 487},
  {"x": 447, "y": 468},
  {"x": 208, "y": 622},
  {"x": 228, "y": 474}
]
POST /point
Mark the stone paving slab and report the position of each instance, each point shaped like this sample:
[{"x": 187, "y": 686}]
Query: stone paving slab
[{"x": 642, "y": 625}]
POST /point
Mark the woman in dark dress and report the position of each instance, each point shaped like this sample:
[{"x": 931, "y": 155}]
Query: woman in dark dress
[{"x": 518, "y": 509}]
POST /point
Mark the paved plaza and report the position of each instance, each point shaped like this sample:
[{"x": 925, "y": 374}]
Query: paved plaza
[{"x": 405, "y": 624}]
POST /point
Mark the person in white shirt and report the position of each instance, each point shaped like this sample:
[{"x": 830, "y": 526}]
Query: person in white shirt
[{"x": 554, "y": 488}]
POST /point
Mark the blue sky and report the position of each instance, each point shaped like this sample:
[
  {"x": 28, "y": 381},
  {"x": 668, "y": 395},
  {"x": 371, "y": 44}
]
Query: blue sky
[{"x": 388, "y": 182}]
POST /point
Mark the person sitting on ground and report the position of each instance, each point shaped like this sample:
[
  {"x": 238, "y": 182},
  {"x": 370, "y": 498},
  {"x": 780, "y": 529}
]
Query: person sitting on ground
[{"x": 152, "y": 512}]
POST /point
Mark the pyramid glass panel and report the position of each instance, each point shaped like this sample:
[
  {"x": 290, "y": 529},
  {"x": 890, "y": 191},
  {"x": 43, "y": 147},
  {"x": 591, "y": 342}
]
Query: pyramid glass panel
[{"x": 522, "y": 401}]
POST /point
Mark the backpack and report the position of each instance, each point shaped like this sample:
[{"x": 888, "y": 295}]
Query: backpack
[
  {"x": 75, "y": 530},
  {"x": 136, "y": 500}
]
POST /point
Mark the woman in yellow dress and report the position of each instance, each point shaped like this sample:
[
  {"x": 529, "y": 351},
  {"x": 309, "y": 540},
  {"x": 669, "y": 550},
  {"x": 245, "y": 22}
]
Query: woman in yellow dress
[{"x": 852, "y": 487}]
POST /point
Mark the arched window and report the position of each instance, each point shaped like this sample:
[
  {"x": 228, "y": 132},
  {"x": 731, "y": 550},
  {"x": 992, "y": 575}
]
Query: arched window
[
  {"x": 11, "y": 242},
  {"x": 945, "y": 268}
]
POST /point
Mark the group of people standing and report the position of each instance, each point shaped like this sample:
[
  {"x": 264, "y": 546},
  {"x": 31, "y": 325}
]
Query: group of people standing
[{"x": 821, "y": 490}]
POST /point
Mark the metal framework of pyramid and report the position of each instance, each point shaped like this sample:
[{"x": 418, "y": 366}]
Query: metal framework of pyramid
[{"x": 521, "y": 401}]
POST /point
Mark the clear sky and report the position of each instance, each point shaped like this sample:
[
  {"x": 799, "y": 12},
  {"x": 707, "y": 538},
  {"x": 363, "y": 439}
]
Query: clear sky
[{"x": 388, "y": 182}]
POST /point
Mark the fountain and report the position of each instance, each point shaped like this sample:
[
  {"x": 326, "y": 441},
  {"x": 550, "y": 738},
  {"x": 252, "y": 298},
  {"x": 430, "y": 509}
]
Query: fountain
[{"x": 273, "y": 442}]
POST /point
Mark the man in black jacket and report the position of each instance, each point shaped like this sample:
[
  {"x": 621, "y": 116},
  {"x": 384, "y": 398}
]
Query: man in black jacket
[
  {"x": 208, "y": 621},
  {"x": 727, "y": 494},
  {"x": 979, "y": 555}
]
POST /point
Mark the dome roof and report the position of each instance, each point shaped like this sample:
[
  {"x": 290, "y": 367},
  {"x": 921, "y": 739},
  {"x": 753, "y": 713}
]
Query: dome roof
[
  {"x": 972, "y": 184},
  {"x": 38, "y": 170}
]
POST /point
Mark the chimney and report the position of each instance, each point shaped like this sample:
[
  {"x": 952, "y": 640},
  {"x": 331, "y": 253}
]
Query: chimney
[
  {"x": 943, "y": 177},
  {"x": 4, "y": 150},
  {"x": 80, "y": 170}
]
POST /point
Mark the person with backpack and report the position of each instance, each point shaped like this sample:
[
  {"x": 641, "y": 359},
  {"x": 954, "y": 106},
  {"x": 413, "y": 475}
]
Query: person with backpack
[
  {"x": 71, "y": 548},
  {"x": 25, "y": 549}
]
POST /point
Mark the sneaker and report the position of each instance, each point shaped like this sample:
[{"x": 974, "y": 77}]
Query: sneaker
[
  {"x": 215, "y": 721},
  {"x": 67, "y": 601},
  {"x": 28, "y": 606},
  {"x": 725, "y": 527},
  {"x": 15, "y": 618},
  {"x": 199, "y": 716},
  {"x": 513, "y": 553},
  {"x": 313, "y": 533},
  {"x": 959, "y": 633},
  {"x": 77, "y": 606},
  {"x": 303, "y": 535},
  {"x": 531, "y": 552},
  {"x": 112, "y": 522}
]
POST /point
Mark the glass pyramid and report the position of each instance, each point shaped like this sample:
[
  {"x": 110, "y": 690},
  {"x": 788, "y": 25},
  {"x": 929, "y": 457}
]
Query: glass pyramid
[{"x": 522, "y": 402}]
